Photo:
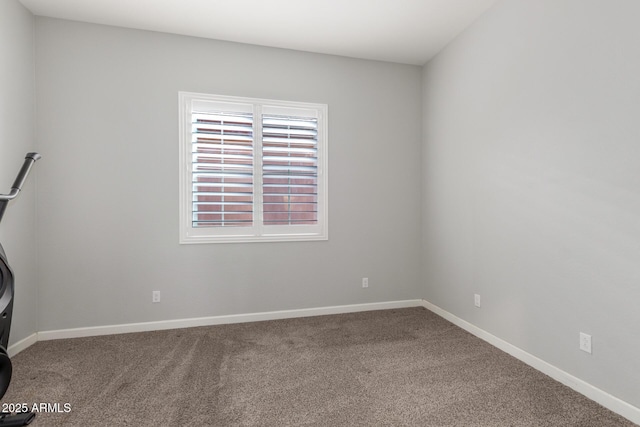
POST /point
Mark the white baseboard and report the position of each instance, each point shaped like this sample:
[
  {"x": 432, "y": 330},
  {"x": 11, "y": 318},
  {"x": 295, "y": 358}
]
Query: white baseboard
[
  {"x": 221, "y": 320},
  {"x": 605, "y": 399},
  {"x": 22, "y": 344}
]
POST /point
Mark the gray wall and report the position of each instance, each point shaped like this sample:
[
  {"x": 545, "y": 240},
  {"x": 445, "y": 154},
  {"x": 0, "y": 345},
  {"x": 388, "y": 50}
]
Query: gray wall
[
  {"x": 108, "y": 192},
  {"x": 17, "y": 109},
  {"x": 531, "y": 183}
]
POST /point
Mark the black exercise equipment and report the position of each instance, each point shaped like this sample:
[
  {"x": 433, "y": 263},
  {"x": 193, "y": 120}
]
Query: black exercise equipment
[{"x": 6, "y": 301}]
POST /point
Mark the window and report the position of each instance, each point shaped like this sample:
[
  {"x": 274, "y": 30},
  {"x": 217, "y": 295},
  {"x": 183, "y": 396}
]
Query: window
[{"x": 252, "y": 170}]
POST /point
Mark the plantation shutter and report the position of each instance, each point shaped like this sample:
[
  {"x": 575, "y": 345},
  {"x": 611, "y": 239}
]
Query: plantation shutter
[
  {"x": 252, "y": 170},
  {"x": 222, "y": 168},
  {"x": 289, "y": 170}
]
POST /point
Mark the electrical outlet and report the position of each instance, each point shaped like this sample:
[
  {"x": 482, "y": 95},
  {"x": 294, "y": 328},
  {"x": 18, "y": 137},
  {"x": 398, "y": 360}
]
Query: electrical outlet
[
  {"x": 365, "y": 282},
  {"x": 476, "y": 300},
  {"x": 155, "y": 296},
  {"x": 585, "y": 342}
]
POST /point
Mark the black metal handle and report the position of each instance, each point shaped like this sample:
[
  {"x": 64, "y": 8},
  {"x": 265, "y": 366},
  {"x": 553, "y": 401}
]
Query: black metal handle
[{"x": 29, "y": 160}]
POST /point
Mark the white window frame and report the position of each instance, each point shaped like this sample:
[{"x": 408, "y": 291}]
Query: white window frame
[{"x": 258, "y": 232}]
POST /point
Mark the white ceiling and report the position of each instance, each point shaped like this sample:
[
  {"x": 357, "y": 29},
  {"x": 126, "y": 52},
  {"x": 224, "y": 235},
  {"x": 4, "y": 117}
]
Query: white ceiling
[{"x": 404, "y": 31}]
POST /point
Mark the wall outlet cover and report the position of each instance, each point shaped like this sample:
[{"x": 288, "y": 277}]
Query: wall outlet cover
[{"x": 585, "y": 342}]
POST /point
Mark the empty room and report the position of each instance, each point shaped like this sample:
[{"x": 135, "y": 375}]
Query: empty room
[{"x": 336, "y": 213}]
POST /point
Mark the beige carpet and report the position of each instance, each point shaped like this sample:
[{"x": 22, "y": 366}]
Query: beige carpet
[{"x": 404, "y": 367}]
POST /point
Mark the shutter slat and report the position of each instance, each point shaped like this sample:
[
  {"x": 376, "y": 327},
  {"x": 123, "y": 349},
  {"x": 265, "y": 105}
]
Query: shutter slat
[
  {"x": 281, "y": 159},
  {"x": 287, "y": 141},
  {"x": 226, "y": 193},
  {"x": 291, "y": 121},
  {"x": 310, "y": 186},
  {"x": 235, "y": 185},
  {"x": 245, "y": 118},
  {"x": 276, "y": 169},
  {"x": 280, "y": 176},
  {"x": 222, "y": 203},
  {"x": 222, "y": 158},
  {"x": 311, "y": 152},
  {"x": 208, "y": 147},
  {"x": 290, "y": 133}
]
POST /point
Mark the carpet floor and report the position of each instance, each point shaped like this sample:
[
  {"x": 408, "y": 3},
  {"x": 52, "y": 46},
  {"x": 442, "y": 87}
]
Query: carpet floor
[{"x": 405, "y": 367}]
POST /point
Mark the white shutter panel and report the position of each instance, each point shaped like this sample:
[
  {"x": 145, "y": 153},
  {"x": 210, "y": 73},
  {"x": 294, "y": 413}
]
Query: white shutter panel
[
  {"x": 289, "y": 170},
  {"x": 222, "y": 171}
]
